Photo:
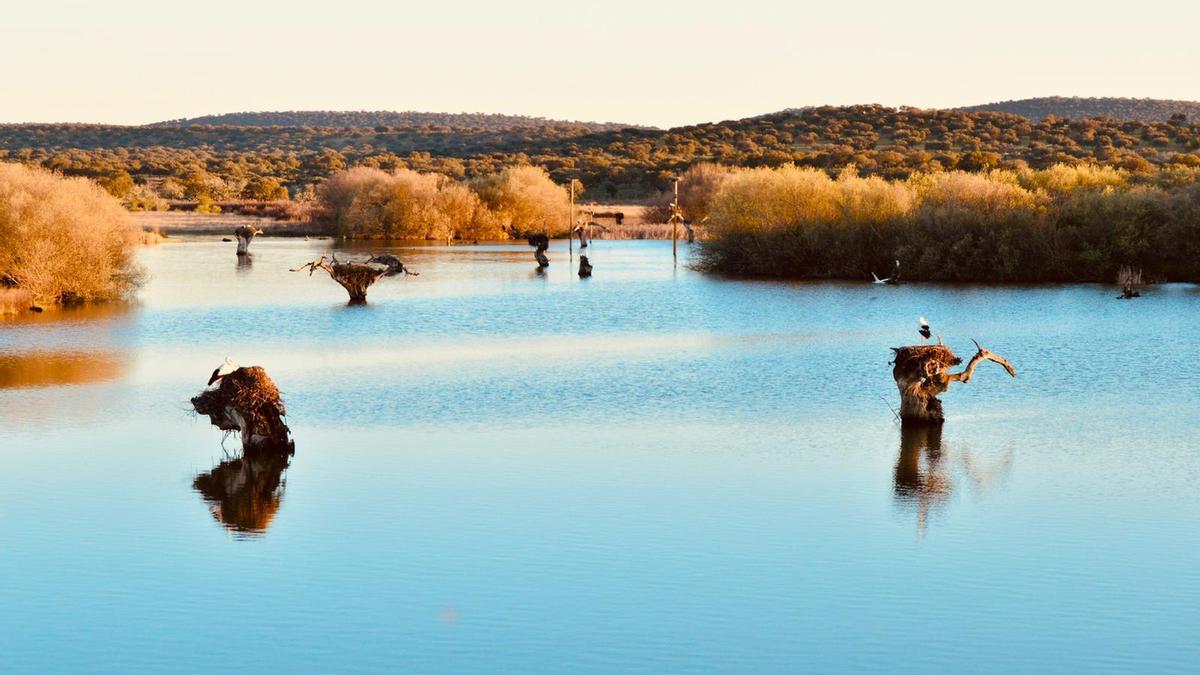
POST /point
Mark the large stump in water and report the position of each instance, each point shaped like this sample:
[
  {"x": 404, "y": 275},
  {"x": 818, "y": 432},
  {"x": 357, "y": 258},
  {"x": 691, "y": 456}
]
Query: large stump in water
[
  {"x": 244, "y": 235},
  {"x": 922, "y": 372},
  {"x": 540, "y": 242},
  {"x": 357, "y": 277},
  {"x": 248, "y": 402}
]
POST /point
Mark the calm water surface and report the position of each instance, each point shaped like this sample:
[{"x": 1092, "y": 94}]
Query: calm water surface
[{"x": 650, "y": 470}]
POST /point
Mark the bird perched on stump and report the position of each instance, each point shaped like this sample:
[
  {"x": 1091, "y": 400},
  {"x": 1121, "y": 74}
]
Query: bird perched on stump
[{"x": 221, "y": 371}]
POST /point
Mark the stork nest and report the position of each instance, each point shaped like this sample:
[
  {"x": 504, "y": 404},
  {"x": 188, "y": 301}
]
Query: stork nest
[
  {"x": 253, "y": 395},
  {"x": 358, "y": 274},
  {"x": 915, "y": 357}
]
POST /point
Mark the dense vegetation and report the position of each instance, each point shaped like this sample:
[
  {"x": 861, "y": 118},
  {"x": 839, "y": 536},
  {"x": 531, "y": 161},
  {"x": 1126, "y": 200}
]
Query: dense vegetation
[
  {"x": 365, "y": 202},
  {"x": 1059, "y": 224},
  {"x": 63, "y": 239},
  {"x": 1137, "y": 109},
  {"x": 359, "y": 119},
  {"x": 145, "y": 164}
]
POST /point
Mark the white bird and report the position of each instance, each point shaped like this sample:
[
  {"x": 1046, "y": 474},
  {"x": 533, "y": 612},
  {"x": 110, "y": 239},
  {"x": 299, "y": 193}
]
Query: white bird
[
  {"x": 878, "y": 280},
  {"x": 224, "y": 369},
  {"x": 925, "y": 332}
]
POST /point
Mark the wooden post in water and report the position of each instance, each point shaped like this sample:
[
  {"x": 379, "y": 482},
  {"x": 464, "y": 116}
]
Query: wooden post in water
[
  {"x": 675, "y": 224},
  {"x": 571, "y": 224}
]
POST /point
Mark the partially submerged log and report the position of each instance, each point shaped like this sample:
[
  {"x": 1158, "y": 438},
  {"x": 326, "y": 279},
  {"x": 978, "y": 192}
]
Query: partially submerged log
[
  {"x": 585, "y": 267},
  {"x": 357, "y": 277},
  {"x": 244, "y": 235},
  {"x": 244, "y": 493},
  {"x": 248, "y": 402},
  {"x": 922, "y": 372}
]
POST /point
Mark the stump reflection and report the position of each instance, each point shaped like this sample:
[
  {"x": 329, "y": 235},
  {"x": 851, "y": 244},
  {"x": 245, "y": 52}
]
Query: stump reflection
[
  {"x": 244, "y": 494},
  {"x": 924, "y": 476}
]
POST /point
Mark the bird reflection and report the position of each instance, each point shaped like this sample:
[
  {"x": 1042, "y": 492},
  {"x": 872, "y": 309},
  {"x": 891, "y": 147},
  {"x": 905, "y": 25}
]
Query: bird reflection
[
  {"x": 924, "y": 471},
  {"x": 244, "y": 493}
]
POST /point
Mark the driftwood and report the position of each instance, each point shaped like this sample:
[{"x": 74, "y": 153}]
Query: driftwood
[
  {"x": 244, "y": 493},
  {"x": 248, "y": 402},
  {"x": 922, "y": 372},
  {"x": 585, "y": 267},
  {"x": 357, "y": 277},
  {"x": 245, "y": 234}
]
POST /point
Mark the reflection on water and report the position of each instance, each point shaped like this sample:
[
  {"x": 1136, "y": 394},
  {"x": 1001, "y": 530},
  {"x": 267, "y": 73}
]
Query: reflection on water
[
  {"x": 245, "y": 263},
  {"x": 51, "y": 369},
  {"x": 244, "y": 493},
  {"x": 923, "y": 475},
  {"x": 89, "y": 314}
]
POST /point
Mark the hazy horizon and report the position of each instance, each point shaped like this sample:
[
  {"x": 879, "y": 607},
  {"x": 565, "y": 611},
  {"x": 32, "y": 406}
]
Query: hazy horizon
[{"x": 661, "y": 64}]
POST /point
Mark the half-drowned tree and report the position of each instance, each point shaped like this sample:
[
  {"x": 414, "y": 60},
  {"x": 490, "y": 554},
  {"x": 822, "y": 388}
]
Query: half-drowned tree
[
  {"x": 245, "y": 234},
  {"x": 585, "y": 267},
  {"x": 357, "y": 277},
  {"x": 923, "y": 371},
  {"x": 248, "y": 402}
]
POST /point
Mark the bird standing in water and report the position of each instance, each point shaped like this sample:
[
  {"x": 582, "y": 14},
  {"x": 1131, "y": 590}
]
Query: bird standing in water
[{"x": 926, "y": 333}]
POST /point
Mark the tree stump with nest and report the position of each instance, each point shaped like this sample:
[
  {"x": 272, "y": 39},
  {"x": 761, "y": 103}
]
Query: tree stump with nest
[
  {"x": 540, "y": 242},
  {"x": 922, "y": 372},
  {"x": 248, "y": 402},
  {"x": 357, "y": 277},
  {"x": 245, "y": 234}
]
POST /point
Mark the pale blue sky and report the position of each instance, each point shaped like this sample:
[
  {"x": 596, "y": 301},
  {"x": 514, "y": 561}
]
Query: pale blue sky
[{"x": 660, "y": 63}]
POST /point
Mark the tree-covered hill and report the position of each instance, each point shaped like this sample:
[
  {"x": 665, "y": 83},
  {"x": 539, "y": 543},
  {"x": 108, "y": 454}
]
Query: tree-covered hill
[
  {"x": 227, "y": 162},
  {"x": 359, "y": 119},
  {"x": 1136, "y": 109}
]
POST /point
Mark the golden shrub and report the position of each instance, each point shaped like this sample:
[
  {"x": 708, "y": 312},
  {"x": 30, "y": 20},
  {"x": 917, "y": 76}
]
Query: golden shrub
[{"x": 63, "y": 239}]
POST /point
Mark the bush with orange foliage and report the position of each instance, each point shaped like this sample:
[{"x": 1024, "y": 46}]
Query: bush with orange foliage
[{"x": 63, "y": 239}]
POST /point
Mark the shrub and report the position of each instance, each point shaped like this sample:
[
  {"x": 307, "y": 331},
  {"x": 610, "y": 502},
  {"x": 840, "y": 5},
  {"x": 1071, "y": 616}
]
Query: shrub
[
  {"x": 523, "y": 198},
  {"x": 63, "y": 239},
  {"x": 1059, "y": 224}
]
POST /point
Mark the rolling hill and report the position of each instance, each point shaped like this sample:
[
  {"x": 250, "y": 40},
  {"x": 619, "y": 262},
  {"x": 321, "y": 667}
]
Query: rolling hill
[
  {"x": 1134, "y": 109},
  {"x": 361, "y": 119}
]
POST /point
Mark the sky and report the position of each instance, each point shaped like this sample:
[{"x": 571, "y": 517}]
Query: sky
[{"x": 655, "y": 62}]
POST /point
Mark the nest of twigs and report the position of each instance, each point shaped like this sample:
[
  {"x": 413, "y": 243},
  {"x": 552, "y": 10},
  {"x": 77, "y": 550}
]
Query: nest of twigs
[
  {"x": 913, "y": 357},
  {"x": 248, "y": 401}
]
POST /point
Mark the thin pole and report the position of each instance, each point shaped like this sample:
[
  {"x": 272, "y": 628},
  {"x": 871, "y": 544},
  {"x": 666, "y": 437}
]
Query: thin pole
[
  {"x": 675, "y": 224},
  {"x": 571, "y": 223}
]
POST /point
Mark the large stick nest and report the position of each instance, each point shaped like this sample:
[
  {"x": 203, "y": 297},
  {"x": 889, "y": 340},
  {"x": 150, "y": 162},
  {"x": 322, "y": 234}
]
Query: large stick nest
[
  {"x": 252, "y": 395},
  {"x": 914, "y": 357}
]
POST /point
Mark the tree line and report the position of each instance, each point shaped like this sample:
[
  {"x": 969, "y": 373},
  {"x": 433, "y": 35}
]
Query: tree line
[{"x": 168, "y": 162}]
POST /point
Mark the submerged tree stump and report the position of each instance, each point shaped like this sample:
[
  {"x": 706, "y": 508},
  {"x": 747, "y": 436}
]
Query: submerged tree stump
[
  {"x": 585, "y": 267},
  {"x": 922, "y": 372},
  {"x": 248, "y": 402},
  {"x": 540, "y": 242},
  {"x": 357, "y": 277},
  {"x": 245, "y": 234}
]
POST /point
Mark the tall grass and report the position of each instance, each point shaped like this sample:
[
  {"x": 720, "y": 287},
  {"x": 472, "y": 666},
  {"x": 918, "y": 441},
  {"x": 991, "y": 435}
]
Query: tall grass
[
  {"x": 63, "y": 239},
  {"x": 1060, "y": 224}
]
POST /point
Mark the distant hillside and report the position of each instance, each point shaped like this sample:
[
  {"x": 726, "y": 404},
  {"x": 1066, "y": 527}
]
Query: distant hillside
[
  {"x": 1135, "y": 109},
  {"x": 225, "y": 162},
  {"x": 364, "y": 119}
]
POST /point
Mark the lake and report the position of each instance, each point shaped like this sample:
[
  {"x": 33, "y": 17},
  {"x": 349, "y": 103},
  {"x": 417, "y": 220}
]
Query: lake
[{"x": 651, "y": 470}]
